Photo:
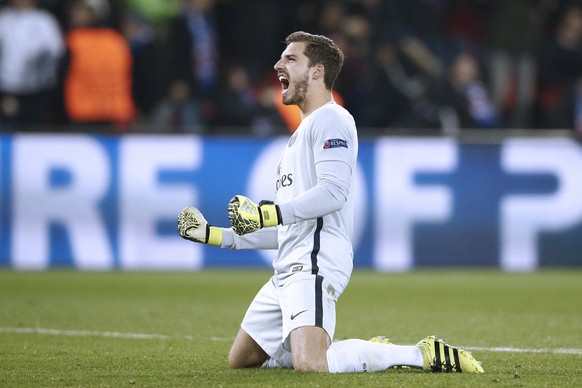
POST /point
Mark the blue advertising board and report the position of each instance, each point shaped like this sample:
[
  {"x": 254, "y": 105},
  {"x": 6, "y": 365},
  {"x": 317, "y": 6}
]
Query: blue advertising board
[{"x": 110, "y": 202}]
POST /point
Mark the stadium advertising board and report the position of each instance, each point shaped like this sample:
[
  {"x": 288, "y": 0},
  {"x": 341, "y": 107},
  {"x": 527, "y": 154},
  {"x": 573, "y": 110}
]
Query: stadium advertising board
[{"x": 99, "y": 203}]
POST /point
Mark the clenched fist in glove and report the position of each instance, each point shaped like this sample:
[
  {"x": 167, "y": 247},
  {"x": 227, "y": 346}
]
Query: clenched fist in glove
[
  {"x": 246, "y": 216},
  {"x": 192, "y": 226}
]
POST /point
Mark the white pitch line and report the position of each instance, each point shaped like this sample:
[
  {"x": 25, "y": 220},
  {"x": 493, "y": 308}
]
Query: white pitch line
[
  {"x": 112, "y": 334},
  {"x": 519, "y": 350},
  {"x": 109, "y": 334}
]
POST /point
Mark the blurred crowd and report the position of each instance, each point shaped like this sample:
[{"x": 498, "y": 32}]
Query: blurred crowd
[{"x": 206, "y": 66}]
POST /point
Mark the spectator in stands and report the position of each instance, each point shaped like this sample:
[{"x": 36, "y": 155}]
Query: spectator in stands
[
  {"x": 98, "y": 76},
  {"x": 236, "y": 100},
  {"x": 251, "y": 106},
  {"x": 465, "y": 92},
  {"x": 178, "y": 112},
  {"x": 511, "y": 57},
  {"x": 31, "y": 46},
  {"x": 397, "y": 84},
  {"x": 420, "y": 37},
  {"x": 140, "y": 36},
  {"x": 191, "y": 65},
  {"x": 402, "y": 72},
  {"x": 560, "y": 72}
]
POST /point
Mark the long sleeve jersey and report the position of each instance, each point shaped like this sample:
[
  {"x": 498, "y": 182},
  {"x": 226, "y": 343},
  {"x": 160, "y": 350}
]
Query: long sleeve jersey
[{"x": 315, "y": 175}]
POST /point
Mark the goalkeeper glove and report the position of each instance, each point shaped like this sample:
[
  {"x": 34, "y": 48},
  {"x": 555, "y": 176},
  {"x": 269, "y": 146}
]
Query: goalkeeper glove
[
  {"x": 192, "y": 226},
  {"x": 246, "y": 216}
]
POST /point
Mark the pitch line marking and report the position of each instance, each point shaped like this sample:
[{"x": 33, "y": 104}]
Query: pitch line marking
[
  {"x": 113, "y": 334},
  {"x": 518, "y": 350},
  {"x": 106, "y": 334}
]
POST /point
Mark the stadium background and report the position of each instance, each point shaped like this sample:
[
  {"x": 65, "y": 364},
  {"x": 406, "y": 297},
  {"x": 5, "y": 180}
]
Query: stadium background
[{"x": 492, "y": 182}]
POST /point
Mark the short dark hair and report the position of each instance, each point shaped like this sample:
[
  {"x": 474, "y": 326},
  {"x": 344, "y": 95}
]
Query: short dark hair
[{"x": 320, "y": 49}]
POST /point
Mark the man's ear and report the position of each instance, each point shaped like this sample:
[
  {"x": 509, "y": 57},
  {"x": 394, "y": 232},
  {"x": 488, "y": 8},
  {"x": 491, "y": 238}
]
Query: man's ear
[{"x": 318, "y": 71}]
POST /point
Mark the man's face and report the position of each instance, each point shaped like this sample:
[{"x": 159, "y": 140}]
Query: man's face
[{"x": 293, "y": 72}]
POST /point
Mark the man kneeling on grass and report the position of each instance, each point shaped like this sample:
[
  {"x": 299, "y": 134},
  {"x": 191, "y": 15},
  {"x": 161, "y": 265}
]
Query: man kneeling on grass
[{"x": 291, "y": 321}]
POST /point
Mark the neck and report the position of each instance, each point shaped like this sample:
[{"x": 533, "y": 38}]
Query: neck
[{"x": 313, "y": 102}]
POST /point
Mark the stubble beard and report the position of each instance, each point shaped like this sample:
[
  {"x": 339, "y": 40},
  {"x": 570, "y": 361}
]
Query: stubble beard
[{"x": 300, "y": 89}]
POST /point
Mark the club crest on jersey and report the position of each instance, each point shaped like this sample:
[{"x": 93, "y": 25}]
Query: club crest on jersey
[{"x": 334, "y": 143}]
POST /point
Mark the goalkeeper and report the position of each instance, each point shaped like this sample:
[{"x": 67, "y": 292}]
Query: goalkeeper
[{"x": 291, "y": 321}]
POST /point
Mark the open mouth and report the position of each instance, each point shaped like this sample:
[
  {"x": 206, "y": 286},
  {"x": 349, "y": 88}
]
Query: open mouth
[{"x": 284, "y": 83}]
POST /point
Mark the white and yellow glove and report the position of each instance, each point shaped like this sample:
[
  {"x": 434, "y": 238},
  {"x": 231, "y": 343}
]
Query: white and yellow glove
[
  {"x": 193, "y": 226},
  {"x": 246, "y": 216}
]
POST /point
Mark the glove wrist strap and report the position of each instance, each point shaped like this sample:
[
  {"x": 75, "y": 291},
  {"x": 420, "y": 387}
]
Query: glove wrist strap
[
  {"x": 270, "y": 215},
  {"x": 213, "y": 236}
]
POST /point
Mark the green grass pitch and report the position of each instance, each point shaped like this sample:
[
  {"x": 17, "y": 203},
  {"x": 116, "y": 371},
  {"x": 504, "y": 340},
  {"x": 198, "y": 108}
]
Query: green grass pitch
[{"x": 124, "y": 329}]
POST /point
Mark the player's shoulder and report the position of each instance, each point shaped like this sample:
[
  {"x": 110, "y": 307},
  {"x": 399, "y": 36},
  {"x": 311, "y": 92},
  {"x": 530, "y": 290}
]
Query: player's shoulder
[
  {"x": 334, "y": 113},
  {"x": 333, "y": 108}
]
